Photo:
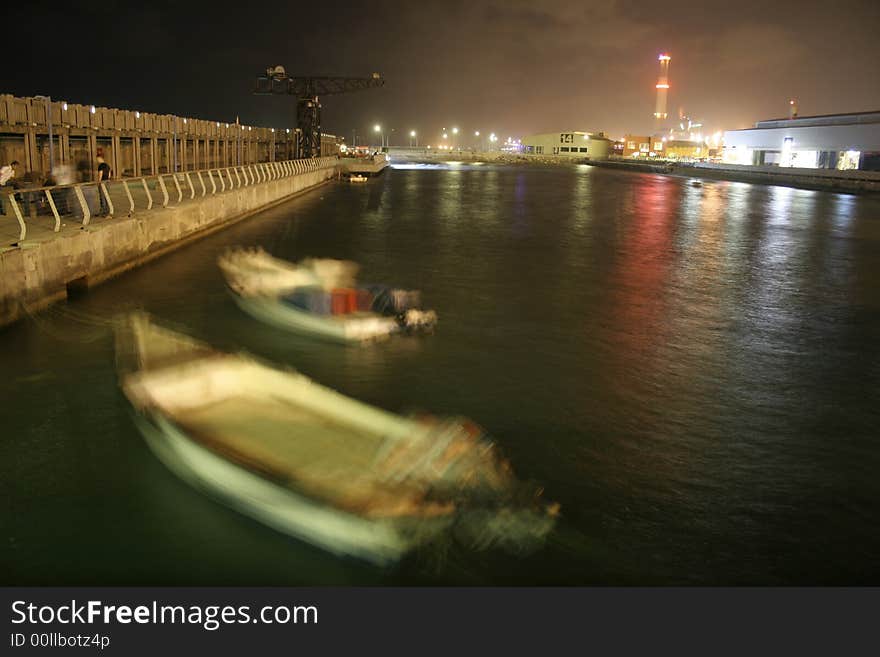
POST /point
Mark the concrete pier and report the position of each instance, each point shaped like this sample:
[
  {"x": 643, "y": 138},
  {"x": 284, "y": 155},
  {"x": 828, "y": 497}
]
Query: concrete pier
[
  {"x": 364, "y": 166},
  {"x": 852, "y": 181},
  {"x": 37, "y": 272}
]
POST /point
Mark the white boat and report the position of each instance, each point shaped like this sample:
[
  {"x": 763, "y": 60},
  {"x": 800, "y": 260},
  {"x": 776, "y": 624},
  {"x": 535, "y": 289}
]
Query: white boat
[
  {"x": 357, "y": 178},
  {"x": 263, "y": 287},
  {"x": 347, "y": 477}
]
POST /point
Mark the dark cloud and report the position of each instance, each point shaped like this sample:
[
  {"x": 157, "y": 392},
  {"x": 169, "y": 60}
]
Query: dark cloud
[{"x": 512, "y": 66}]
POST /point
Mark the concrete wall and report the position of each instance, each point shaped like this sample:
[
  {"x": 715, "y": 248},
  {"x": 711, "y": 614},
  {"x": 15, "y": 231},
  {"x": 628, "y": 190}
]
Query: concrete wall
[{"x": 32, "y": 278}]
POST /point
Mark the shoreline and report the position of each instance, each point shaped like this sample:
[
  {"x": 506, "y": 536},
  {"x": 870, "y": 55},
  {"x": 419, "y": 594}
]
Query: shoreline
[{"x": 830, "y": 180}]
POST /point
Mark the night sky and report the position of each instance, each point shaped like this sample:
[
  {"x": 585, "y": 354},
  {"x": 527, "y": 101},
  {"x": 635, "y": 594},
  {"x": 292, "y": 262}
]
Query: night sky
[{"x": 511, "y": 66}]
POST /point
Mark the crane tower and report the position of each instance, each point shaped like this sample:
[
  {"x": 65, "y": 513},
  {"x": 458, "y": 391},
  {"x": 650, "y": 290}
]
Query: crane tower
[{"x": 307, "y": 91}]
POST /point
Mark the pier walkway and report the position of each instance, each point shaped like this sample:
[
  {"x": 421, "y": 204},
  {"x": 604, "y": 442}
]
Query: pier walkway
[{"x": 57, "y": 239}]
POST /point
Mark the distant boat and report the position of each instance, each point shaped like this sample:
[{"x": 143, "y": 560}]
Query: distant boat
[
  {"x": 319, "y": 298},
  {"x": 340, "y": 474},
  {"x": 357, "y": 178}
]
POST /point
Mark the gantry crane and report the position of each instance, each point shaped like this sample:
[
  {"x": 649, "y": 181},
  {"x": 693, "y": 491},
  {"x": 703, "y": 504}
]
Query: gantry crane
[{"x": 308, "y": 105}]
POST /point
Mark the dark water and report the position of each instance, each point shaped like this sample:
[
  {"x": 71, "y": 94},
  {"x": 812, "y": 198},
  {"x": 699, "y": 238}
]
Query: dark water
[{"x": 692, "y": 372}]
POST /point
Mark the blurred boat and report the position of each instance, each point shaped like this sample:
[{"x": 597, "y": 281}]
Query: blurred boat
[
  {"x": 297, "y": 297},
  {"x": 312, "y": 463},
  {"x": 357, "y": 178}
]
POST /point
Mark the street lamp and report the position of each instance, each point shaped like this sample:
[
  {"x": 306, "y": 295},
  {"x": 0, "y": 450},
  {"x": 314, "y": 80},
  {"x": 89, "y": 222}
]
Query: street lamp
[
  {"x": 412, "y": 138},
  {"x": 377, "y": 128}
]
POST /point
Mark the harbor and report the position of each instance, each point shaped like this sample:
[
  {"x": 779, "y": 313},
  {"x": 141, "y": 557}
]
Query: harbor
[{"x": 688, "y": 371}]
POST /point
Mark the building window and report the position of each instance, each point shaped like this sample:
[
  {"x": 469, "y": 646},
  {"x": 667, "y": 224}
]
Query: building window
[
  {"x": 539, "y": 150},
  {"x": 631, "y": 145},
  {"x": 644, "y": 147},
  {"x": 564, "y": 149},
  {"x": 584, "y": 149}
]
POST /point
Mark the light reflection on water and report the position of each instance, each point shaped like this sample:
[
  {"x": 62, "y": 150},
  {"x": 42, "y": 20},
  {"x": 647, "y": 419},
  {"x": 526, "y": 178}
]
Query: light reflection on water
[{"x": 691, "y": 371}]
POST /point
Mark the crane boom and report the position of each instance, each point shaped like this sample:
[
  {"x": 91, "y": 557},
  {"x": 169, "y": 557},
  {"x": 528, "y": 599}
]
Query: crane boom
[{"x": 307, "y": 90}]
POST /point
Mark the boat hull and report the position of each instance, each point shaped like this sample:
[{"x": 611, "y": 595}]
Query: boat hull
[
  {"x": 271, "y": 311},
  {"x": 378, "y": 541}
]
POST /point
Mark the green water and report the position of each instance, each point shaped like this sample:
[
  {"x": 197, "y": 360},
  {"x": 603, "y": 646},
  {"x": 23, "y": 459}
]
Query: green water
[{"x": 692, "y": 372}]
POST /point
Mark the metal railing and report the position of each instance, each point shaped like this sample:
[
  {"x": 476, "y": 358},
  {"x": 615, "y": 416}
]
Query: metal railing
[{"x": 82, "y": 201}]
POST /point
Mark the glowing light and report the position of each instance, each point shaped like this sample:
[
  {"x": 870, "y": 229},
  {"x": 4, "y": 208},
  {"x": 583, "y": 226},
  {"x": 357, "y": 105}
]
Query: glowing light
[
  {"x": 785, "y": 158},
  {"x": 412, "y": 133},
  {"x": 92, "y": 109},
  {"x": 137, "y": 115},
  {"x": 64, "y": 106},
  {"x": 218, "y": 124},
  {"x": 662, "y": 86},
  {"x": 184, "y": 122},
  {"x": 288, "y": 131},
  {"x": 377, "y": 128},
  {"x": 664, "y": 58},
  {"x": 455, "y": 131},
  {"x": 477, "y": 133}
]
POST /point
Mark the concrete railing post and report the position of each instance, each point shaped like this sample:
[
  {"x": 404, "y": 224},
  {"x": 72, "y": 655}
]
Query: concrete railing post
[
  {"x": 22, "y": 229},
  {"x": 54, "y": 210},
  {"x": 147, "y": 192},
  {"x": 103, "y": 190},
  {"x": 164, "y": 191},
  {"x": 192, "y": 190},
  {"x": 202, "y": 183},
  {"x": 87, "y": 215},
  {"x": 179, "y": 190},
  {"x": 130, "y": 199}
]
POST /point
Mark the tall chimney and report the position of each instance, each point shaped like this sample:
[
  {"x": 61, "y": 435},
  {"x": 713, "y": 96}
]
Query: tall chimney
[{"x": 662, "y": 88}]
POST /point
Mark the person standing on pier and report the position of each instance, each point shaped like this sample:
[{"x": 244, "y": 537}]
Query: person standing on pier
[
  {"x": 7, "y": 173},
  {"x": 103, "y": 176}
]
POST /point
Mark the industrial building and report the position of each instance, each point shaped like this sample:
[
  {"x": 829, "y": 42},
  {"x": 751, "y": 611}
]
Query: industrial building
[
  {"x": 648, "y": 146},
  {"x": 40, "y": 133},
  {"x": 831, "y": 141},
  {"x": 593, "y": 146}
]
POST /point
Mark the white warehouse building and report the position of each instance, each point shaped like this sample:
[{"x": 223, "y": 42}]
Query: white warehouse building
[
  {"x": 833, "y": 141},
  {"x": 593, "y": 146}
]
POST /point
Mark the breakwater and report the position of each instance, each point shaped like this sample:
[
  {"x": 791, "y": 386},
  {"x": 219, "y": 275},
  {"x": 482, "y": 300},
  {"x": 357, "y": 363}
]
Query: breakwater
[{"x": 157, "y": 216}]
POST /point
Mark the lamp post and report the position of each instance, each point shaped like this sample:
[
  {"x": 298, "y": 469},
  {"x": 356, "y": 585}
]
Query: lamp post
[
  {"x": 412, "y": 139},
  {"x": 477, "y": 135},
  {"x": 378, "y": 129},
  {"x": 48, "y": 101}
]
